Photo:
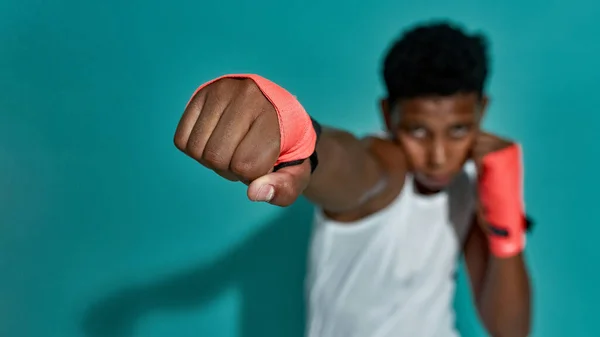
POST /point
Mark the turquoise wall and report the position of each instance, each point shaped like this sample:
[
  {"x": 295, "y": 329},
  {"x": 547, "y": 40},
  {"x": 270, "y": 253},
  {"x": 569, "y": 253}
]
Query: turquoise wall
[{"x": 106, "y": 230}]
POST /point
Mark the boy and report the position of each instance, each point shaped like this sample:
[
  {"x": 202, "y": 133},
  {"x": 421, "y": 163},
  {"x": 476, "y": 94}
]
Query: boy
[{"x": 394, "y": 211}]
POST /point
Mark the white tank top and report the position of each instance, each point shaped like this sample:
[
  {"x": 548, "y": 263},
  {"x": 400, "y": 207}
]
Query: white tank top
[{"x": 391, "y": 274}]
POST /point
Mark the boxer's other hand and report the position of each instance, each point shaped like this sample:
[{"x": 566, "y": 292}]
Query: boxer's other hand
[
  {"x": 231, "y": 127},
  {"x": 486, "y": 143}
]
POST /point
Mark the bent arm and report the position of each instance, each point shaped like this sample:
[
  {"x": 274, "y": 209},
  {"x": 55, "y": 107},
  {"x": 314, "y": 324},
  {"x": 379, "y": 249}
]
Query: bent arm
[
  {"x": 348, "y": 172},
  {"x": 500, "y": 287}
]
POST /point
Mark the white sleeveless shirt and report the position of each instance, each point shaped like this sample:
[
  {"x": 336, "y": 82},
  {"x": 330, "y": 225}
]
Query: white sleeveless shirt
[{"x": 391, "y": 274}]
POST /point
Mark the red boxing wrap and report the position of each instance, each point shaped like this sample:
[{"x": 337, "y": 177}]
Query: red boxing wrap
[
  {"x": 298, "y": 136},
  {"x": 501, "y": 194}
]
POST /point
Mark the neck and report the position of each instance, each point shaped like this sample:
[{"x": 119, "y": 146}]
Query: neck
[{"x": 421, "y": 189}]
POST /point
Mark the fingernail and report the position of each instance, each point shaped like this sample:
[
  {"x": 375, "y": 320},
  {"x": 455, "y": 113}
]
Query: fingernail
[{"x": 265, "y": 193}]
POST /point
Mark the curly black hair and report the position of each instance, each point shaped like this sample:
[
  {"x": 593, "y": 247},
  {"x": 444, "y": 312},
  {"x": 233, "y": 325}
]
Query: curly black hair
[{"x": 437, "y": 59}]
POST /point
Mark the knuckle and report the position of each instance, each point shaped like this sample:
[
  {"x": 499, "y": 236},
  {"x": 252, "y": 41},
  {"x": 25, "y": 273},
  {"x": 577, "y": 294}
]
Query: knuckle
[
  {"x": 249, "y": 86},
  {"x": 244, "y": 168},
  {"x": 288, "y": 186},
  {"x": 291, "y": 185},
  {"x": 215, "y": 159},
  {"x": 266, "y": 108},
  {"x": 220, "y": 91},
  {"x": 251, "y": 92},
  {"x": 194, "y": 148},
  {"x": 226, "y": 82},
  {"x": 196, "y": 101},
  {"x": 217, "y": 96}
]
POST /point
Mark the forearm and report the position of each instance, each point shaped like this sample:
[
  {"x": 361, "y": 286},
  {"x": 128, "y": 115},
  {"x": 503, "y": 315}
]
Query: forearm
[
  {"x": 347, "y": 172},
  {"x": 505, "y": 298}
]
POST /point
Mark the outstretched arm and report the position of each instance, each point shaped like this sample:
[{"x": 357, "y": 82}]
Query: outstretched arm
[
  {"x": 243, "y": 127},
  {"x": 348, "y": 174}
]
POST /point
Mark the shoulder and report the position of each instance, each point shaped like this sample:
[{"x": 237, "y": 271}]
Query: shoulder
[{"x": 393, "y": 163}]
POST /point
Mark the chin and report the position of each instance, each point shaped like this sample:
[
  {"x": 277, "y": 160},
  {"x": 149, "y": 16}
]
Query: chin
[
  {"x": 430, "y": 184},
  {"x": 430, "y": 189}
]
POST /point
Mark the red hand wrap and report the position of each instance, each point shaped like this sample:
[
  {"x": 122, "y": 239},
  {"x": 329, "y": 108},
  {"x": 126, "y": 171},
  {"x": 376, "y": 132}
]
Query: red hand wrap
[
  {"x": 501, "y": 195},
  {"x": 298, "y": 137}
]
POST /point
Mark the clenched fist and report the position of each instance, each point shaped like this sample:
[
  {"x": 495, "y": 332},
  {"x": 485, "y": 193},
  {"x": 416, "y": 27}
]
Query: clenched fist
[
  {"x": 229, "y": 126},
  {"x": 501, "y": 210}
]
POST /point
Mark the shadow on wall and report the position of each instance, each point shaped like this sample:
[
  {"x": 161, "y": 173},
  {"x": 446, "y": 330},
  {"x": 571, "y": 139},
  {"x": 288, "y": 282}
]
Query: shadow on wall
[{"x": 268, "y": 268}]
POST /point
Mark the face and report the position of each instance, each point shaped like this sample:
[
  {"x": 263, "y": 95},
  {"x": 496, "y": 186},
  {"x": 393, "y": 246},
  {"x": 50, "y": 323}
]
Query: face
[{"x": 436, "y": 133}]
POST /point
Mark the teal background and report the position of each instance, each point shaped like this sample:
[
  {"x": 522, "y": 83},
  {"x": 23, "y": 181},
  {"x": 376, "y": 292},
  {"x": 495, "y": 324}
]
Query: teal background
[{"x": 106, "y": 230}]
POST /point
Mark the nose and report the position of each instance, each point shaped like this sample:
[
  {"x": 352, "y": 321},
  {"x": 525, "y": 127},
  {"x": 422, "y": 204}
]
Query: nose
[{"x": 437, "y": 154}]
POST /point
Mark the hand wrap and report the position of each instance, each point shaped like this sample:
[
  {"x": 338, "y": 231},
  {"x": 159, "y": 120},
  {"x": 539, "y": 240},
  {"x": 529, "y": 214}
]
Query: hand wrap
[{"x": 501, "y": 194}]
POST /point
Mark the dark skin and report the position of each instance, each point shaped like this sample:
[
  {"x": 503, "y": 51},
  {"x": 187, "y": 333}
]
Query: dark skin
[
  {"x": 438, "y": 135},
  {"x": 231, "y": 128}
]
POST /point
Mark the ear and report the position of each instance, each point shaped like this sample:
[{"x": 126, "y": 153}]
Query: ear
[
  {"x": 483, "y": 105},
  {"x": 384, "y": 106}
]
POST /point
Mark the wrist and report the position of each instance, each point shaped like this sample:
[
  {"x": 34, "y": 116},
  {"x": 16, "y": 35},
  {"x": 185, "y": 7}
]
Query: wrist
[
  {"x": 313, "y": 159},
  {"x": 507, "y": 246},
  {"x": 496, "y": 263}
]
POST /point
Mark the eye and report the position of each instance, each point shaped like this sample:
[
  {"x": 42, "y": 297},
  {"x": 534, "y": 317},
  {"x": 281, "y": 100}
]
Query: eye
[
  {"x": 459, "y": 131},
  {"x": 417, "y": 132}
]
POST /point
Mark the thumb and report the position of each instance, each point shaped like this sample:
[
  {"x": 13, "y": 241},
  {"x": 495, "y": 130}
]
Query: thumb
[{"x": 283, "y": 187}]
